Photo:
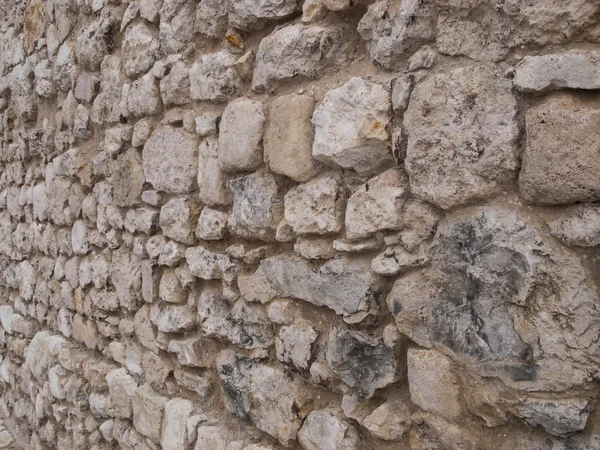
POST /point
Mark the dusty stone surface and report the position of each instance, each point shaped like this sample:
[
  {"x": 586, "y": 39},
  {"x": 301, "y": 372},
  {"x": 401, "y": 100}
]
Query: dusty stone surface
[{"x": 318, "y": 224}]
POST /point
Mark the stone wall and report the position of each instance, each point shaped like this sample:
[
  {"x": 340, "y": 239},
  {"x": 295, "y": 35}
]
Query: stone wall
[{"x": 320, "y": 225}]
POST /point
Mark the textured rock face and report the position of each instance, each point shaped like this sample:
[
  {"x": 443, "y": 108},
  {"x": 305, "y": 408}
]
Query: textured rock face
[
  {"x": 448, "y": 128},
  {"x": 550, "y": 130},
  {"x": 316, "y": 224}
]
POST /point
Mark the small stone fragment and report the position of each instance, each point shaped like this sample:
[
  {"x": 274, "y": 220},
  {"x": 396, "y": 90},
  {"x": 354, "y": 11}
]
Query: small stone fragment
[{"x": 580, "y": 228}]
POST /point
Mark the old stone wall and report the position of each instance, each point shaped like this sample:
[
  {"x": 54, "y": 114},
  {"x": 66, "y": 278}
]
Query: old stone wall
[{"x": 318, "y": 224}]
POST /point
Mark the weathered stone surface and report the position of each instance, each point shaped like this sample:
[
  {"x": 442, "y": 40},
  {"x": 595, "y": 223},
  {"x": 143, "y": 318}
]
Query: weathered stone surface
[
  {"x": 248, "y": 16},
  {"x": 170, "y": 160},
  {"x": 396, "y": 259},
  {"x": 148, "y": 411},
  {"x": 377, "y": 205},
  {"x": 212, "y": 181},
  {"x": 389, "y": 421},
  {"x": 493, "y": 257},
  {"x": 316, "y": 207},
  {"x": 289, "y": 137},
  {"x": 95, "y": 41},
  {"x": 579, "y": 228},
  {"x": 251, "y": 391},
  {"x": 298, "y": 50},
  {"x": 432, "y": 382},
  {"x": 456, "y": 152},
  {"x": 345, "y": 285},
  {"x": 142, "y": 97},
  {"x": 294, "y": 344},
  {"x": 572, "y": 70},
  {"x": 257, "y": 206},
  {"x": 106, "y": 107},
  {"x": 557, "y": 417},
  {"x": 121, "y": 387},
  {"x": 351, "y": 127},
  {"x": 326, "y": 430},
  {"x": 178, "y": 218},
  {"x": 561, "y": 160},
  {"x": 175, "y": 319},
  {"x": 392, "y": 28},
  {"x": 241, "y": 134},
  {"x": 211, "y": 18},
  {"x": 174, "y": 426},
  {"x": 213, "y": 77},
  {"x": 361, "y": 362},
  {"x": 314, "y": 248},
  {"x": 209, "y": 265}
]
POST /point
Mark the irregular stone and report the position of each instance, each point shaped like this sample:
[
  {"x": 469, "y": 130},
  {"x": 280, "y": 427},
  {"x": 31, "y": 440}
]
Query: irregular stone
[
  {"x": 396, "y": 259},
  {"x": 106, "y": 107},
  {"x": 175, "y": 87},
  {"x": 345, "y": 285},
  {"x": 580, "y": 228},
  {"x": 299, "y": 50},
  {"x": 316, "y": 207},
  {"x": 148, "y": 411},
  {"x": 449, "y": 304},
  {"x": 142, "y": 97},
  {"x": 392, "y": 28},
  {"x": 176, "y": 26},
  {"x": 170, "y": 289},
  {"x": 351, "y": 127},
  {"x": 256, "y": 287},
  {"x": 457, "y": 153},
  {"x": 211, "y": 18},
  {"x": 556, "y": 416},
  {"x": 389, "y": 421},
  {"x": 212, "y": 225},
  {"x": 420, "y": 222},
  {"x": 126, "y": 277},
  {"x": 94, "y": 41},
  {"x": 178, "y": 218},
  {"x": 144, "y": 330},
  {"x": 251, "y": 16},
  {"x": 363, "y": 245},
  {"x": 170, "y": 160},
  {"x": 65, "y": 69},
  {"x": 558, "y": 169},
  {"x": 257, "y": 206},
  {"x": 289, "y": 137},
  {"x": 432, "y": 382},
  {"x": 209, "y": 265},
  {"x": 140, "y": 48},
  {"x": 175, "y": 319},
  {"x": 294, "y": 344},
  {"x": 252, "y": 391},
  {"x": 44, "y": 82},
  {"x": 314, "y": 248},
  {"x": 241, "y": 134},
  {"x": 195, "y": 351},
  {"x": 326, "y": 430},
  {"x": 377, "y": 205},
  {"x": 361, "y": 362},
  {"x": 174, "y": 426},
  {"x": 571, "y": 70},
  {"x": 401, "y": 89},
  {"x": 214, "y": 78},
  {"x": 212, "y": 181},
  {"x": 121, "y": 387}
]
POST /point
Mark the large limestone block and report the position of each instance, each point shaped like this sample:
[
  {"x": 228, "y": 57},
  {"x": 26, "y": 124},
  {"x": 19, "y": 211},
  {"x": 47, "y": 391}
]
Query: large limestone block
[
  {"x": 121, "y": 387},
  {"x": 502, "y": 300},
  {"x": 170, "y": 160},
  {"x": 148, "y": 411},
  {"x": 561, "y": 162},
  {"x": 462, "y": 131},
  {"x": 213, "y": 77},
  {"x": 289, "y": 137},
  {"x": 174, "y": 426},
  {"x": 351, "y": 127}
]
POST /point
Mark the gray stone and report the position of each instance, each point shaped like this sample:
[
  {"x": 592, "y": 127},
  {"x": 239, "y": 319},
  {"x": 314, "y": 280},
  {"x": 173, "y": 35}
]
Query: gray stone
[
  {"x": 121, "y": 387},
  {"x": 240, "y": 136},
  {"x": 316, "y": 207},
  {"x": 558, "y": 168},
  {"x": 449, "y": 304},
  {"x": 175, "y": 319},
  {"x": 170, "y": 160},
  {"x": 363, "y": 363},
  {"x": 249, "y": 16},
  {"x": 175, "y": 87},
  {"x": 214, "y": 78},
  {"x": 571, "y": 70},
  {"x": 174, "y": 426},
  {"x": 94, "y": 41},
  {"x": 351, "y": 127},
  {"x": 209, "y": 265},
  {"x": 457, "y": 153},
  {"x": 211, "y": 18},
  {"x": 298, "y": 50},
  {"x": 253, "y": 391},
  {"x": 579, "y": 228},
  {"x": 289, "y": 137},
  {"x": 314, "y": 248},
  {"x": 148, "y": 411},
  {"x": 327, "y": 430},
  {"x": 106, "y": 107},
  {"x": 556, "y": 416},
  {"x": 294, "y": 344},
  {"x": 142, "y": 97},
  {"x": 345, "y": 285},
  {"x": 178, "y": 218},
  {"x": 212, "y": 225},
  {"x": 212, "y": 181},
  {"x": 392, "y": 28},
  {"x": 389, "y": 421},
  {"x": 257, "y": 206},
  {"x": 140, "y": 49}
]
